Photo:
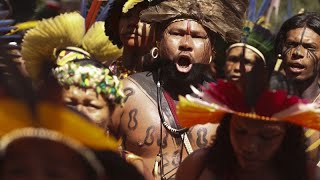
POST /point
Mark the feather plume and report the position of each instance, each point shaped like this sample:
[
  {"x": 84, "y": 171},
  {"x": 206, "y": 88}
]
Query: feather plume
[
  {"x": 130, "y": 4},
  {"x": 271, "y": 106},
  {"x": 72, "y": 125},
  {"x": 39, "y": 43},
  {"x": 17, "y": 115},
  {"x": 105, "y": 10},
  {"x": 195, "y": 111},
  {"x": 92, "y": 13},
  {"x": 59, "y": 31},
  {"x": 14, "y": 115},
  {"x": 99, "y": 46},
  {"x": 23, "y": 26}
]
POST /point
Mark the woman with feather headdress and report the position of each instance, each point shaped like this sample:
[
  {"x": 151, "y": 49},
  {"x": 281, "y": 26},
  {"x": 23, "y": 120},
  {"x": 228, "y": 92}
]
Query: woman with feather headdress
[{"x": 258, "y": 137}]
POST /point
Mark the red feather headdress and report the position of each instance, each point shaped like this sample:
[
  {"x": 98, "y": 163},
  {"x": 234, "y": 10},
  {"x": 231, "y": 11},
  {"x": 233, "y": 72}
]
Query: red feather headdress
[{"x": 218, "y": 99}]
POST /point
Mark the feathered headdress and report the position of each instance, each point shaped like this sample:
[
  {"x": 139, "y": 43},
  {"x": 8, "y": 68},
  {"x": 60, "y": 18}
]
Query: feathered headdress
[
  {"x": 257, "y": 38},
  {"x": 224, "y": 17},
  {"x": 66, "y": 30},
  {"x": 113, "y": 11},
  {"x": 53, "y": 123},
  {"x": 217, "y": 100},
  {"x": 55, "y": 117}
]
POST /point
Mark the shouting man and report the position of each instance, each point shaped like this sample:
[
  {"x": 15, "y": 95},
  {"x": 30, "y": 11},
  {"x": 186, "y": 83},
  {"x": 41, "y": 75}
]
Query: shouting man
[{"x": 186, "y": 33}]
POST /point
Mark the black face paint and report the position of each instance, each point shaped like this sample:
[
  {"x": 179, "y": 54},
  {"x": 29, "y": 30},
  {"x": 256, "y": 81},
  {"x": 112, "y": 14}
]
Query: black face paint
[
  {"x": 296, "y": 50},
  {"x": 310, "y": 54},
  {"x": 315, "y": 60}
]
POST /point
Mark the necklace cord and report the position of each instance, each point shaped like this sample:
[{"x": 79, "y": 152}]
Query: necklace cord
[{"x": 168, "y": 127}]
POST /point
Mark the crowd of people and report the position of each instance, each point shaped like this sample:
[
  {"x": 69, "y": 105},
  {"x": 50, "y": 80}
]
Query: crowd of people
[{"x": 157, "y": 90}]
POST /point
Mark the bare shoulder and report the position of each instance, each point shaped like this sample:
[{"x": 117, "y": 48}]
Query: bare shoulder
[
  {"x": 191, "y": 168},
  {"x": 130, "y": 90}
]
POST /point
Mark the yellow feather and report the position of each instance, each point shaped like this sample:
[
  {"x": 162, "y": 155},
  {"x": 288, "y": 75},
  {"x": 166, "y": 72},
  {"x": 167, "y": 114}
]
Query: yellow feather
[
  {"x": 14, "y": 114},
  {"x": 191, "y": 113},
  {"x": 63, "y": 120},
  {"x": 59, "y": 32},
  {"x": 23, "y": 26},
  {"x": 130, "y": 4},
  {"x": 98, "y": 45}
]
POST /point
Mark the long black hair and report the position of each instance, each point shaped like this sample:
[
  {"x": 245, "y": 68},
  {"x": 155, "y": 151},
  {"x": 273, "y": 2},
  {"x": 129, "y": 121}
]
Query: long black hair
[{"x": 309, "y": 19}]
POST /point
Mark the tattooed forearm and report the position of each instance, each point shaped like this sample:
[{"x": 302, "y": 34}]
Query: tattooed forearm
[
  {"x": 149, "y": 139},
  {"x": 201, "y": 137},
  {"x": 128, "y": 92},
  {"x": 133, "y": 122}
]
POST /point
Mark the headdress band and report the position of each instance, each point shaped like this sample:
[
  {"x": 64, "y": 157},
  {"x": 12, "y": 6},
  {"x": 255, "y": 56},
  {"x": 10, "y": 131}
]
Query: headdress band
[
  {"x": 68, "y": 54},
  {"x": 89, "y": 76},
  {"x": 50, "y": 135},
  {"x": 249, "y": 47}
]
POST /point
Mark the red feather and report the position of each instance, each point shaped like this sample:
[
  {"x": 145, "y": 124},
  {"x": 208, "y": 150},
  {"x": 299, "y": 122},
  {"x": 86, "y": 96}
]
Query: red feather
[
  {"x": 227, "y": 94},
  {"x": 271, "y": 102},
  {"x": 92, "y": 13}
]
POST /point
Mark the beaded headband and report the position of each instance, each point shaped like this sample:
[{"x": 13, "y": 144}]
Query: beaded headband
[{"x": 90, "y": 76}]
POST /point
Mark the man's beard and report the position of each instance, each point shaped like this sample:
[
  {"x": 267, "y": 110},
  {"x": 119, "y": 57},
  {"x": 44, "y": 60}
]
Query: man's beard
[{"x": 170, "y": 74}]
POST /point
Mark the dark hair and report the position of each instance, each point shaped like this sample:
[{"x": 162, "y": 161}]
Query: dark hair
[
  {"x": 21, "y": 11},
  {"x": 222, "y": 160},
  {"x": 113, "y": 18},
  {"x": 90, "y": 173},
  {"x": 309, "y": 19}
]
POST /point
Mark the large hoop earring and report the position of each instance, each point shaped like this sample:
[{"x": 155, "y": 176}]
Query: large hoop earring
[
  {"x": 154, "y": 52},
  {"x": 210, "y": 60}
]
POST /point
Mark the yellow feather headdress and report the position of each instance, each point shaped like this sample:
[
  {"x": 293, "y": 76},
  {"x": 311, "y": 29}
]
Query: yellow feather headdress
[
  {"x": 65, "y": 30},
  {"x": 16, "y": 115},
  {"x": 129, "y": 5},
  {"x": 52, "y": 122}
]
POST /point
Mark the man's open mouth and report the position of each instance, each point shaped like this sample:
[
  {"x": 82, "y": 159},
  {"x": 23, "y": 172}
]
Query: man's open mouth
[
  {"x": 184, "y": 64},
  {"x": 296, "y": 67}
]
